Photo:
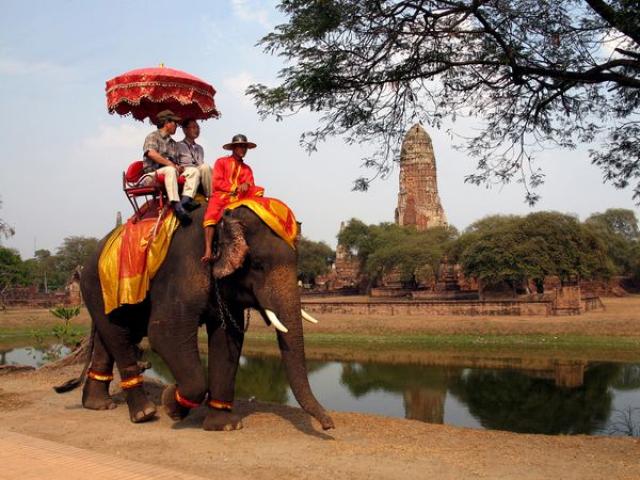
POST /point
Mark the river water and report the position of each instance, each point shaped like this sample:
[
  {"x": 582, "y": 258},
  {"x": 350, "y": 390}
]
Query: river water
[{"x": 544, "y": 396}]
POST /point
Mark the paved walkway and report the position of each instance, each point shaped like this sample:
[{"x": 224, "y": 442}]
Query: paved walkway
[{"x": 30, "y": 458}]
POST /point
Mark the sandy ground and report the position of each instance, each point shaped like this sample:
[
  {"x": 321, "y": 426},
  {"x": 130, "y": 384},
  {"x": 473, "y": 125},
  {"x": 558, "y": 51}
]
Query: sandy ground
[{"x": 279, "y": 442}]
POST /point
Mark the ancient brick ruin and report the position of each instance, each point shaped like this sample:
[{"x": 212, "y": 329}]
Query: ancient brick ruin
[
  {"x": 418, "y": 205},
  {"x": 418, "y": 200}
]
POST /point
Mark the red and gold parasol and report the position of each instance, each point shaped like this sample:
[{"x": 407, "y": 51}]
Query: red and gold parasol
[{"x": 144, "y": 92}]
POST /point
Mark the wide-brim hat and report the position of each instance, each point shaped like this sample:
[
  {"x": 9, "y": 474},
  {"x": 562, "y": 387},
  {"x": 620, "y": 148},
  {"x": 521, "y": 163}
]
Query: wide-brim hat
[
  {"x": 167, "y": 115},
  {"x": 239, "y": 139}
]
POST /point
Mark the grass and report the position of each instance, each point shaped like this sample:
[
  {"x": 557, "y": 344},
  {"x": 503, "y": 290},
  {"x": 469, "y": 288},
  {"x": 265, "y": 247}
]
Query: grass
[
  {"x": 610, "y": 333},
  {"x": 465, "y": 341}
]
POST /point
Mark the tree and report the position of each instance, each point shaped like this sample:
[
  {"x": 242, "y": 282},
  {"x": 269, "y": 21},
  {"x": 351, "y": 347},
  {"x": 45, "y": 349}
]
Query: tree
[
  {"x": 314, "y": 259},
  {"x": 387, "y": 247},
  {"x": 618, "y": 229},
  {"x": 6, "y": 230},
  {"x": 533, "y": 73},
  {"x": 73, "y": 252},
  {"x": 518, "y": 249},
  {"x": 12, "y": 271},
  {"x": 617, "y": 221}
]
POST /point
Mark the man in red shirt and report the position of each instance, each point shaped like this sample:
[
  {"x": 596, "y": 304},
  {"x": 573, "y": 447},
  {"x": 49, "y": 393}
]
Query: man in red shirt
[{"x": 232, "y": 180}]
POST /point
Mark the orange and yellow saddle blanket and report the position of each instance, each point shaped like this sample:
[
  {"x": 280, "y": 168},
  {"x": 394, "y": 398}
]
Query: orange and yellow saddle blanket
[
  {"x": 134, "y": 252},
  {"x": 275, "y": 213},
  {"x": 131, "y": 257}
]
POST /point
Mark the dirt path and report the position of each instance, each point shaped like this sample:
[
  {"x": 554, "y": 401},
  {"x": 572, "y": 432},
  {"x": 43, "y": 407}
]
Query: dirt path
[{"x": 281, "y": 442}]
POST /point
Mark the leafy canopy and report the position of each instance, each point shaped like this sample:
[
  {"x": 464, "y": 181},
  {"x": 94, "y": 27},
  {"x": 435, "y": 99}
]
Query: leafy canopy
[
  {"x": 515, "y": 249},
  {"x": 618, "y": 228},
  {"x": 387, "y": 246},
  {"x": 531, "y": 73},
  {"x": 314, "y": 259}
]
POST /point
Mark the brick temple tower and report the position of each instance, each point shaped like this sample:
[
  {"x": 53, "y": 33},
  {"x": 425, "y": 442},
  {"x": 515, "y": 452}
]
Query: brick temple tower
[{"x": 418, "y": 199}]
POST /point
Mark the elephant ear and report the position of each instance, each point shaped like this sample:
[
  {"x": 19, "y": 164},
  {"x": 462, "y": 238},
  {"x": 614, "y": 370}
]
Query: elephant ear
[{"x": 232, "y": 247}]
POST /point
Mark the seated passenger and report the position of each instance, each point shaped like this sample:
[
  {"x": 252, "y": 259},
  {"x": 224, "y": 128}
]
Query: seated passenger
[
  {"x": 160, "y": 155},
  {"x": 191, "y": 155},
  {"x": 232, "y": 180}
]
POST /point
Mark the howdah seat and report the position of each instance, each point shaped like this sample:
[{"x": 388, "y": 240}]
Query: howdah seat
[{"x": 136, "y": 183}]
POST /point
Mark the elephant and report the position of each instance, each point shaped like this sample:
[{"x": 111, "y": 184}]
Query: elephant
[{"x": 255, "y": 269}]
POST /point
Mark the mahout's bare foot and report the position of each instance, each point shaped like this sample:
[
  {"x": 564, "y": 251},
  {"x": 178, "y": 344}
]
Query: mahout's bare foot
[
  {"x": 222, "y": 420},
  {"x": 141, "y": 409},
  {"x": 171, "y": 406},
  {"x": 95, "y": 395}
]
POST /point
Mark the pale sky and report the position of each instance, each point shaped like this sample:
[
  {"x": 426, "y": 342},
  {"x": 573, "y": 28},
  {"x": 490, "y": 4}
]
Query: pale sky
[{"x": 63, "y": 154}]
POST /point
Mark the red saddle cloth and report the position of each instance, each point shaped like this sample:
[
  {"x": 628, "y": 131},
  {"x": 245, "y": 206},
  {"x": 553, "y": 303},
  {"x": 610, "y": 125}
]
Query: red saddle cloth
[{"x": 133, "y": 254}]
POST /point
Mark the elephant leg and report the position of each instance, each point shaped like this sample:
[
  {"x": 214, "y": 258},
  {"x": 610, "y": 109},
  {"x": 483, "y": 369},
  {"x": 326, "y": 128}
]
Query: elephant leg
[
  {"x": 176, "y": 342},
  {"x": 95, "y": 393},
  {"x": 225, "y": 347},
  {"x": 117, "y": 332}
]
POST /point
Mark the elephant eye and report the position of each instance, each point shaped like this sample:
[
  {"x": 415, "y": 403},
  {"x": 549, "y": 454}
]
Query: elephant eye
[{"x": 257, "y": 264}]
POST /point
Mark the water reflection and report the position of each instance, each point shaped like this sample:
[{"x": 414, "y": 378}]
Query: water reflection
[
  {"x": 423, "y": 388},
  {"x": 515, "y": 401},
  {"x": 33, "y": 356},
  {"x": 549, "y": 397}
]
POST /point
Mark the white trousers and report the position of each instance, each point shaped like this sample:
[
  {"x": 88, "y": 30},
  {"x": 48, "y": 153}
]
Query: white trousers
[
  {"x": 204, "y": 177},
  {"x": 191, "y": 176}
]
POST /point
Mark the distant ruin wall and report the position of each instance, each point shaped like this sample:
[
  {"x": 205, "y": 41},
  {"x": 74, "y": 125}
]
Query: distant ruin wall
[
  {"x": 564, "y": 303},
  {"x": 465, "y": 308}
]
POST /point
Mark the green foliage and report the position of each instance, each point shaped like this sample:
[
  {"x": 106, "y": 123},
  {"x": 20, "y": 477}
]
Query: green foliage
[
  {"x": 533, "y": 73},
  {"x": 314, "y": 258},
  {"x": 74, "y": 251},
  {"x": 12, "y": 270},
  {"x": 515, "y": 249},
  {"x": 66, "y": 333},
  {"x": 387, "y": 246},
  {"x": 66, "y": 313},
  {"x": 618, "y": 229}
]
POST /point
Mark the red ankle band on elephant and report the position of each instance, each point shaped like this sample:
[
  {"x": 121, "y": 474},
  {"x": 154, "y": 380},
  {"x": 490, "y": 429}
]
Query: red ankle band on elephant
[
  {"x": 100, "y": 377},
  {"x": 131, "y": 382},
  {"x": 185, "y": 402},
  {"x": 220, "y": 405}
]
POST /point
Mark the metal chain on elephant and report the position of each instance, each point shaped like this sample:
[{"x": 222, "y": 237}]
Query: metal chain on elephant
[{"x": 223, "y": 311}]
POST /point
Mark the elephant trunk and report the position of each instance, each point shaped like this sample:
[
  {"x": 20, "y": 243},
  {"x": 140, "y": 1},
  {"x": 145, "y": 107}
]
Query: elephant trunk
[
  {"x": 292, "y": 350},
  {"x": 287, "y": 308}
]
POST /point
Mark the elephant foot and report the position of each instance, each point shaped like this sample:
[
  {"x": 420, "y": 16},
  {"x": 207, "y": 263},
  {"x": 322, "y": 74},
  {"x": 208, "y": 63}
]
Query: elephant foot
[
  {"x": 222, "y": 421},
  {"x": 141, "y": 409},
  {"x": 174, "y": 410},
  {"x": 95, "y": 395},
  {"x": 326, "y": 421}
]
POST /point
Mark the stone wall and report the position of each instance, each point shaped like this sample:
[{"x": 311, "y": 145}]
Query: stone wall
[
  {"x": 471, "y": 308},
  {"x": 567, "y": 301}
]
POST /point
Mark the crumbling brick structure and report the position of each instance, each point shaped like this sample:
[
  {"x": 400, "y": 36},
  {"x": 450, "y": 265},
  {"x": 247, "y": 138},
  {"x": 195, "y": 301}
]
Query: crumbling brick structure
[{"x": 418, "y": 200}]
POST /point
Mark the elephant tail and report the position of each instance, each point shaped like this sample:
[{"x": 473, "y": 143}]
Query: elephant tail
[{"x": 76, "y": 382}]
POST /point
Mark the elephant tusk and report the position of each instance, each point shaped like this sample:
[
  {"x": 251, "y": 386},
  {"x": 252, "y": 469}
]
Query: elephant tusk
[
  {"x": 273, "y": 318},
  {"x": 308, "y": 317}
]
